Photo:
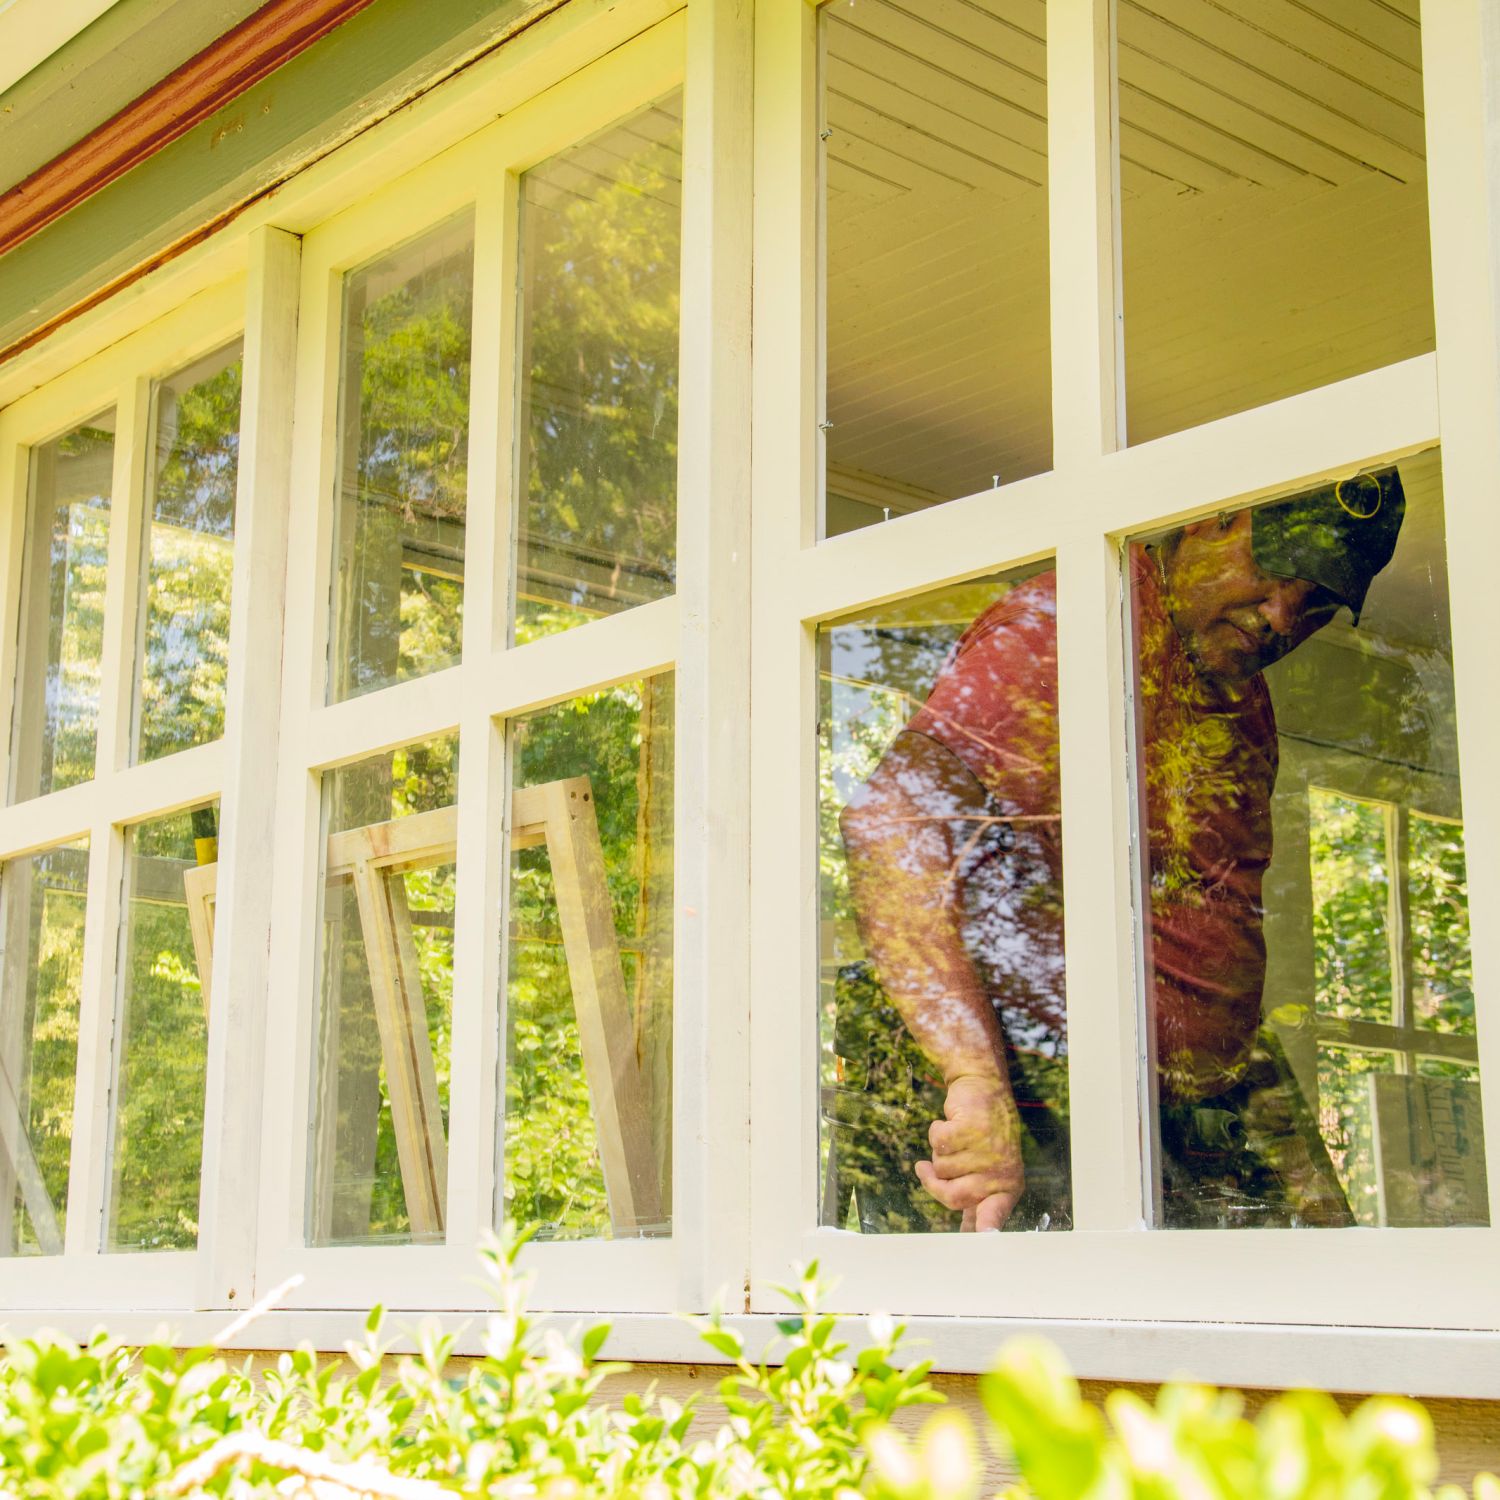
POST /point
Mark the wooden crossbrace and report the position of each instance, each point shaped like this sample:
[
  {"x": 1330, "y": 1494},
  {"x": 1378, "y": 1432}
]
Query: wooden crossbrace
[
  {"x": 559, "y": 815},
  {"x": 16, "y": 1140}
]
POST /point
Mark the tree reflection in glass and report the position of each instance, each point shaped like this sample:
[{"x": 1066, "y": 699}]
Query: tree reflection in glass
[
  {"x": 161, "y": 1040},
  {"x": 182, "y": 656},
  {"x": 56, "y": 714},
  {"x": 589, "y": 993},
  {"x": 42, "y": 904},
  {"x": 597, "y": 511},
  {"x": 379, "y": 1148},
  {"x": 403, "y": 439}
]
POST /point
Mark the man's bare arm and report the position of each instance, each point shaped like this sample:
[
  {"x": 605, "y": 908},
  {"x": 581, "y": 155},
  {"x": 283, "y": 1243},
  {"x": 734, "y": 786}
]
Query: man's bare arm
[{"x": 905, "y": 835}]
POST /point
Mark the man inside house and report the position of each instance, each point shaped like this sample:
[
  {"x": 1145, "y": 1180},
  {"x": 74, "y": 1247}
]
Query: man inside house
[{"x": 955, "y": 868}]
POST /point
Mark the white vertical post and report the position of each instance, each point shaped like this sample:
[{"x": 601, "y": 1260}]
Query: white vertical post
[
  {"x": 236, "y": 1083},
  {"x": 15, "y": 510},
  {"x": 1088, "y": 422},
  {"x": 1104, "y": 1054},
  {"x": 88, "y": 1164},
  {"x": 483, "y": 741},
  {"x": 783, "y": 1044},
  {"x": 711, "y": 1082},
  {"x": 1461, "y": 69},
  {"x": 480, "y": 854}
]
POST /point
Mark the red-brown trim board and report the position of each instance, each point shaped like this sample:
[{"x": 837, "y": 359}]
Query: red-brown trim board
[{"x": 186, "y": 97}]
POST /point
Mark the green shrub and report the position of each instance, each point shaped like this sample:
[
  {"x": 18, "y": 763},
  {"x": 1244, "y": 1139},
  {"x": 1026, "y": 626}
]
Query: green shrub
[{"x": 528, "y": 1419}]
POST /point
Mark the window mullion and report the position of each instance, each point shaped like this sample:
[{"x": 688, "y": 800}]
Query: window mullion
[
  {"x": 88, "y": 1167},
  {"x": 481, "y": 856},
  {"x": 235, "y": 1091},
  {"x": 1103, "y": 1030},
  {"x": 783, "y": 950},
  {"x": 712, "y": 833}
]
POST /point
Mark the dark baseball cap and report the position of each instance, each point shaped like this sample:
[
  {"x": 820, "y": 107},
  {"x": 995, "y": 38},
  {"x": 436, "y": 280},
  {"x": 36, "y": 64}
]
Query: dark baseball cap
[{"x": 1339, "y": 535}]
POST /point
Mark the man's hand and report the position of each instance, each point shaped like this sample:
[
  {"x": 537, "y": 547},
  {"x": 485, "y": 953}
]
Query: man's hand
[{"x": 976, "y": 1152}]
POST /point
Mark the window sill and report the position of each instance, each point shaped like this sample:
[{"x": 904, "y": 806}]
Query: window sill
[{"x": 1416, "y": 1362}]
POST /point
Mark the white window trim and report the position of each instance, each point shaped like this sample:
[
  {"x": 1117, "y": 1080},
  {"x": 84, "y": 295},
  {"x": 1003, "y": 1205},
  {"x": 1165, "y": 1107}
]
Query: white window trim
[
  {"x": 1099, "y": 492},
  {"x": 119, "y": 794},
  {"x": 1122, "y": 1302}
]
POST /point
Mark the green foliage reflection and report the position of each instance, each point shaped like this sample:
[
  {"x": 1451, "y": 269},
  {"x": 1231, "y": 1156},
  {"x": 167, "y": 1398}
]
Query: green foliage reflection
[
  {"x": 404, "y": 440},
  {"x": 161, "y": 1047},
  {"x": 43, "y": 899},
  {"x": 599, "y": 411},
  {"x": 621, "y": 739},
  {"x": 185, "y": 657}
]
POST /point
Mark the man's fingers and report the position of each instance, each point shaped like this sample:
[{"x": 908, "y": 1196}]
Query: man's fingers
[
  {"x": 953, "y": 1165},
  {"x": 969, "y": 1191},
  {"x": 991, "y": 1215}
]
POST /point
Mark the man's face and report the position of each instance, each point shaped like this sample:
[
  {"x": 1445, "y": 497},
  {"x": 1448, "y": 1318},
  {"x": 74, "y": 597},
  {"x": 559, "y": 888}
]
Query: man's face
[{"x": 1233, "y": 618}]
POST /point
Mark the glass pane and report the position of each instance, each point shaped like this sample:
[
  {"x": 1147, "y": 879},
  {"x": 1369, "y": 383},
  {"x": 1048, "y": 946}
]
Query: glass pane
[
  {"x": 1442, "y": 970},
  {"x": 1297, "y": 761},
  {"x": 182, "y": 657},
  {"x": 1273, "y": 203},
  {"x": 941, "y": 954},
  {"x": 42, "y": 901},
  {"x": 1351, "y": 906},
  {"x": 588, "y": 1080},
  {"x": 938, "y": 365},
  {"x": 601, "y": 229},
  {"x": 403, "y": 463},
  {"x": 1346, "y": 1118},
  {"x": 161, "y": 1039},
  {"x": 380, "y": 1150},
  {"x": 62, "y": 611}
]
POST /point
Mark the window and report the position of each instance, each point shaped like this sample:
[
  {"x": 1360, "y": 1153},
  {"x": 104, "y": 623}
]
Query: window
[
  {"x": 187, "y": 560},
  {"x": 941, "y": 904},
  {"x": 600, "y": 256},
  {"x": 492, "y": 565},
  {"x": 937, "y": 379},
  {"x": 1199, "y": 274},
  {"x": 380, "y": 1139},
  {"x": 588, "y": 1077},
  {"x": 55, "y": 723},
  {"x": 657, "y": 626},
  {"x": 120, "y": 589},
  {"x": 44, "y": 898},
  {"x": 1281, "y": 649},
  {"x": 403, "y": 461},
  {"x": 166, "y": 938},
  {"x": 1273, "y": 204}
]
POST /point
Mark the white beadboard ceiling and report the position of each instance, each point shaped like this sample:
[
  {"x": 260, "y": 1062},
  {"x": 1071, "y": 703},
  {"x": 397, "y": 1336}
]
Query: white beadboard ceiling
[{"x": 1273, "y": 216}]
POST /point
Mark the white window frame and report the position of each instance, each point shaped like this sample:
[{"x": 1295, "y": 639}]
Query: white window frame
[
  {"x": 1125, "y": 1303},
  {"x": 120, "y": 794},
  {"x": 492, "y": 684},
  {"x": 573, "y": 73},
  {"x": 1100, "y": 492}
]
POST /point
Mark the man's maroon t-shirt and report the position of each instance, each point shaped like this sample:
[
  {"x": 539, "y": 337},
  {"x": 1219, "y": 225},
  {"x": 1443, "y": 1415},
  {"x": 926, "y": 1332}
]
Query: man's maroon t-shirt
[{"x": 1209, "y": 769}]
